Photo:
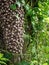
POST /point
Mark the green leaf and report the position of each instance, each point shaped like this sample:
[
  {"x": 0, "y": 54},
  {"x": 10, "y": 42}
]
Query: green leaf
[
  {"x": 34, "y": 62},
  {"x": 47, "y": 20},
  {"x": 23, "y": 2},
  {"x": 13, "y": 6},
  {"x": 18, "y": 3},
  {"x": 2, "y": 63},
  {"x": 47, "y": 49},
  {"x": 17, "y": 16},
  {"x": 4, "y": 59},
  {"x": 27, "y": 7},
  {"x": 45, "y": 64},
  {"x": 1, "y": 55},
  {"x": 23, "y": 63}
]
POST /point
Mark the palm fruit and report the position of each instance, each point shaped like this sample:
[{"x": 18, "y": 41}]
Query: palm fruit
[{"x": 11, "y": 22}]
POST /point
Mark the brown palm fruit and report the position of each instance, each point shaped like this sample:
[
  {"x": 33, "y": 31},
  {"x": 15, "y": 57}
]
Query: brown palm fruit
[{"x": 11, "y": 21}]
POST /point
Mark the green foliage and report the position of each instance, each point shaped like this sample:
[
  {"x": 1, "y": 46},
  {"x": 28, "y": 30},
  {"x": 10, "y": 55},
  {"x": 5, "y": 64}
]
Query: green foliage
[
  {"x": 13, "y": 6},
  {"x": 36, "y": 26},
  {"x": 8, "y": 55},
  {"x": 23, "y": 63},
  {"x": 3, "y": 60}
]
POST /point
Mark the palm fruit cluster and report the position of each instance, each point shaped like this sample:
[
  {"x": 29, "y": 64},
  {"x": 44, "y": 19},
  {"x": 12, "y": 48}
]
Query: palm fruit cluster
[{"x": 11, "y": 21}]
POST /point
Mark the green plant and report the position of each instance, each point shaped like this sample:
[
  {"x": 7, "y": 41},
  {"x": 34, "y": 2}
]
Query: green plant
[
  {"x": 3, "y": 60},
  {"x": 36, "y": 27},
  {"x": 13, "y": 6},
  {"x": 23, "y": 62}
]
